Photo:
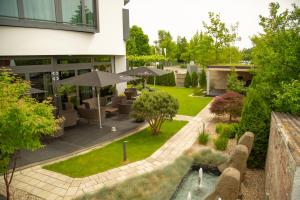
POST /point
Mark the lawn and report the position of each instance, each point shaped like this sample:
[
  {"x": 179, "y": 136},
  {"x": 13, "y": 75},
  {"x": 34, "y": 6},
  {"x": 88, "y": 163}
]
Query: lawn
[
  {"x": 187, "y": 105},
  {"x": 140, "y": 145}
]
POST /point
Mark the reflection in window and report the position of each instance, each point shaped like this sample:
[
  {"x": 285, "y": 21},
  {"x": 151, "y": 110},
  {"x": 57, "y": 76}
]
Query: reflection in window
[
  {"x": 33, "y": 62},
  {"x": 63, "y": 75},
  {"x": 89, "y": 12},
  {"x": 41, "y": 81},
  {"x": 73, "y": 60},
  {"x": 85, "y": 92},
  {"x": 103, "y": 67},
  {"x": 8, "y": 8},
  {"x": 72, "y": 11},
  {"x": 39, "y": 9},
  {"x": 103, "y": 59}
]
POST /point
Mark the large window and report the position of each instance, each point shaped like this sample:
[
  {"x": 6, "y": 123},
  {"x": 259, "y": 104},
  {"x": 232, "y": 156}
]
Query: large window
[
  {"x": 78, "y": 15},
  {"x": 8, "y": 8}
]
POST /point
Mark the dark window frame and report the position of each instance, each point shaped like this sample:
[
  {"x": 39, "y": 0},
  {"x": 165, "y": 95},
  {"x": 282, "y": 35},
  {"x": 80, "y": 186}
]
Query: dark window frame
[{"x": 21, "y": 21}]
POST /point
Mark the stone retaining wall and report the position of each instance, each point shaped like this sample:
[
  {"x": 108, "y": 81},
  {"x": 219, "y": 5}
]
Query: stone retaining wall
[{"x": 283, "y": 159}]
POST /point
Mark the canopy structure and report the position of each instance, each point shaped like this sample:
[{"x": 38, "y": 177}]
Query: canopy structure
[
  {"x": 145, "y": 72},
  {"x": 36, "y": 91},
  {"x": 96, "y": 79}
]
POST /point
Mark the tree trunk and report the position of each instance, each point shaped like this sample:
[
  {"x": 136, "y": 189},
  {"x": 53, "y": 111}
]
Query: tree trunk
[
  {"x": 8, "y": 179},
  {"x": 230, "y": 118}
]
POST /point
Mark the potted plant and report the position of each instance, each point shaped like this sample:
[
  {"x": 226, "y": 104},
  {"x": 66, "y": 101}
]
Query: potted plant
[{"x": 69, "y": 91}]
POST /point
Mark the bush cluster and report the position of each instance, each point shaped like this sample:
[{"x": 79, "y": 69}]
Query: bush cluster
[
  {"x": 165, "y": 80},
  {"x": 221, "y": 142},
  {"x": 228, "y": 130},
  {"x": 136, "y": 61},
  {"x": 203, "y": 138},
  {"x": 198, "y": 92}
]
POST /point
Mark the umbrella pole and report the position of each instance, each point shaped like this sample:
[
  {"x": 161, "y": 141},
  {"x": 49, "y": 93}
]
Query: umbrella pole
[{"x": 99, "y": 108}]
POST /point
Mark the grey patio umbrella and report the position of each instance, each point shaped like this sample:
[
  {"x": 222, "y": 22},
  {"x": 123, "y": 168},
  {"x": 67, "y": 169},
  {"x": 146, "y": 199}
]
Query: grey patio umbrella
[
  {"x": 96, "y": 79},
  {"x": 145, "y": 72},
  {"x": 36, "y": 91}
]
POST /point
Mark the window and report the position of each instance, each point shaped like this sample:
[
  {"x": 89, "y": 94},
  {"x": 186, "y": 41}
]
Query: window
[
  {"x": 73, "y": 60},
  {"x": 33, "y": 62},
  {"x": 89, "y": 12},
  {"x": 41, "y": 81},
  {"x": 72, "y": 11},
  {"x": 8, "y": 8},
  {"x": 39, "y": 9},
  {"x": 103, "y": 59}
]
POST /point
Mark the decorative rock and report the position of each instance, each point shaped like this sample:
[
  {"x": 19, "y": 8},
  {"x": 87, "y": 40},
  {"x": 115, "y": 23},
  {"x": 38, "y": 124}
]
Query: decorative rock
[
  {"x": 247, "y": 140},
  {"x": 228, "y": 185}
]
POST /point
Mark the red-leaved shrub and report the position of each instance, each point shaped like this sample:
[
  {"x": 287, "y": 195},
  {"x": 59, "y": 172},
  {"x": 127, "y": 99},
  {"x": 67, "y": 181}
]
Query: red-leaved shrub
[{"x": 230, "y": 103}]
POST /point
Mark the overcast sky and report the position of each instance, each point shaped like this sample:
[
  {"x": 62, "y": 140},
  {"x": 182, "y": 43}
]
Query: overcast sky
[{"x": 184, "y": 17}]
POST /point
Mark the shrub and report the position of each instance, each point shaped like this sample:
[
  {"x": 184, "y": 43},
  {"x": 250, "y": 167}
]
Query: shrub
[
  {"x": 221, "y": 142},
  {"x": 256, "y": 118},
  {"x": 203, "y": 138},
  {"x": 194, "y": 79},
  {"x": 165, "y": 80},
  {"x": 233, "y": 84},
  {"x": 202, "y": 79},
  {"x": 155, "y": 107},
  {"x": 209, "y": 157},
  {"x": 157, "y": 185},
  {"x": 198, "y": 91},
  {"x": 187, "y": 80},
  {"x": 228, "y": 130},
  {"x": 144, "y": 60},
  {"x": 230, "y": 103}
]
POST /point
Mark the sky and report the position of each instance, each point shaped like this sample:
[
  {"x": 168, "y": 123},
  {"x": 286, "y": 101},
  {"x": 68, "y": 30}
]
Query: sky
[{"x": 185, "y": 17}]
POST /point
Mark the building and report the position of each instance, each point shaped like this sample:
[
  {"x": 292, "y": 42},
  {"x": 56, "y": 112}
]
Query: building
[
  {"x": 47, "y": 40},
  {"x": 216, "y": 77}
]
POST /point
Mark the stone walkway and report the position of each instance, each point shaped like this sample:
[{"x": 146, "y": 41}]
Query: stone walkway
[{"x": 50, "y": 185}]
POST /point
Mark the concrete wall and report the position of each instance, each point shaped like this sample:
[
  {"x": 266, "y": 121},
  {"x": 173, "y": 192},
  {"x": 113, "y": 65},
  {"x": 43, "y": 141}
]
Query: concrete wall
[
  {"x": 17, "y": 41},
  {"x": 282, "y": 165},
  {"x": 120, "y": 66}
]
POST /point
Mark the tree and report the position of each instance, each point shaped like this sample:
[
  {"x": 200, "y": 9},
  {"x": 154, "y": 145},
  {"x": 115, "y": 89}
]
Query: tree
[
  {"x": 165, "y": 41},
  {"x": 246, "y": 55},
  {"x": 23, "y": 121},
  {"x": 187, "y": 80},
  {"x": 230, "y": 103},
  {"x": 155, "y": 108},
  {"x": 234, "y": 84},
  {"x": 138, "y": 42},
  {"x": 182, "y": 53},
  {"x": 222, "y": 36},
  {"x": 202, "y": 79},
  {"x": 194, "y": 79},
  {"x": 201, "y": 49}
]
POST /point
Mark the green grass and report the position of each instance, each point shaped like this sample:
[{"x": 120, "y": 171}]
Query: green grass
[
  {"x": 140, "y": 145},
  {"x": 187, "y": 105}
]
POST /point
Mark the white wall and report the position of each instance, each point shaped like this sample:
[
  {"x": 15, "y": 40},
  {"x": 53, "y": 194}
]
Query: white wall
[
  {"x": 18, "y": 41},
  {"x": 120, "y": 66}
]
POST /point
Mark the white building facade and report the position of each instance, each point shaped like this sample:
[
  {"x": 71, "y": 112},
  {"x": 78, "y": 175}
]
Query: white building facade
[{"x": 47, "y": 40}]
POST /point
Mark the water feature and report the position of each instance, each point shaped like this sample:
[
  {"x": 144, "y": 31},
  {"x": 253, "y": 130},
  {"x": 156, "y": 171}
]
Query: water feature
[{"x": 195, "y": 185}]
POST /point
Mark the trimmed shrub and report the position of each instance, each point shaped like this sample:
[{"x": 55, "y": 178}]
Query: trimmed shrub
[
  {"x": 228, "y": 130},
  {"x": 165, "y": 80},
  {"x": 221, "y": 142},
  {"x": 230, "y": 103},
  {"x": 198, "y": 91},
  {"x": 187, "y": 80},
  {"x": 256, "y": 118},
  {"x": 156, "y": 185},
  {"x": 202, "y": 79},
  {"x": 209, "y": 157},
  {"x": 194, "y": 81},
  {"x": 203, "y": 138}
]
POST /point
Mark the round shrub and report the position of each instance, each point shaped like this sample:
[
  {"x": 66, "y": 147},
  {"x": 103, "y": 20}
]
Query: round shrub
[
  {"x": 221, "y": 142},
  {"x": 228, "y": 130},
  {"x": 194, "y": 81},
  {"x": 198, "y": 91},
  {"x": 187, "y": 80}
]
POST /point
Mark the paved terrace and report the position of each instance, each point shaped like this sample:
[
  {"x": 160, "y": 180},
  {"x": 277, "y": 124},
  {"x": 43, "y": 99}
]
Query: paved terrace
[{"x": 50, "y": 185}]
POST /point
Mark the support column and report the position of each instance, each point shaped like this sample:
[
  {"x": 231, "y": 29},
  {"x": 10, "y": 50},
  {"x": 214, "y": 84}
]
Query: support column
[{"x": 120, "y": 66}]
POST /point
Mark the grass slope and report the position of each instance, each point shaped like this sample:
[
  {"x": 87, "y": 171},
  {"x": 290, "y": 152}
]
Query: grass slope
[
  {"x": 140, "y": 145},
  {"x": 187, "y": 105}
]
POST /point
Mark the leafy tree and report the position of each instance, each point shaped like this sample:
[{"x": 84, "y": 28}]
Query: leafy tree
[
  {"x": 201, "y": 49},
  {"x": 155, "y": 108},
  {"x": 246, "y": 55},
  {"x": 230, "y": 55},
  {"x": 222, "y": 36},
  {"x": 230, "y": 103},
  {"x": 165, "y": 41},
  {"x": 187, "y": 80},
  {"x": 202, "y": 78},
  {"x": 194, "y": 79},
  {"x": 137, "y": 61},
  {"x": 234, "y": 84},
  {"x": 138, "y": 42},
  {"x": 182, "y": 53},
  {"x": 23, "y": 121}
]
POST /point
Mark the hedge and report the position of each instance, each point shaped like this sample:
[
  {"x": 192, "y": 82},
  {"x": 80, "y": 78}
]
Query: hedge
[{"x": 164, "y": 80}]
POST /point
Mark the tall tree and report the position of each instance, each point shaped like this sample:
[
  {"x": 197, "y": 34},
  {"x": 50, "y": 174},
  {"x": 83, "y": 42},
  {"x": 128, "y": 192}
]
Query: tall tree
[
  {"x": 23, "y": 121},
  {"x": 182, "y": 54},
  {"x": 138, "y": 42},
  {"x": 222, "y": 36},
  {"x": 166, "y": 42}
]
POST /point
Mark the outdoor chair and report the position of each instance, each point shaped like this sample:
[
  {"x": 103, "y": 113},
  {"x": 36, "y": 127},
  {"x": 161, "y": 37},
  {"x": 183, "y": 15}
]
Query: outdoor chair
[
  {"x": 71, "y": 117},
  {"x": 90, "y": 114},
  {"x": 125, "y": 107}
]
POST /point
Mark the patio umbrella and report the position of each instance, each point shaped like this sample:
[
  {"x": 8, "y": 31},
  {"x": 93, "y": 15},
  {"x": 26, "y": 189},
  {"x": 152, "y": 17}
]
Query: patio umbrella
[
  {"x": 96, "y": 79},
  {"x": 35, "y": 91},
  {"x": 145, "y": 72}
]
